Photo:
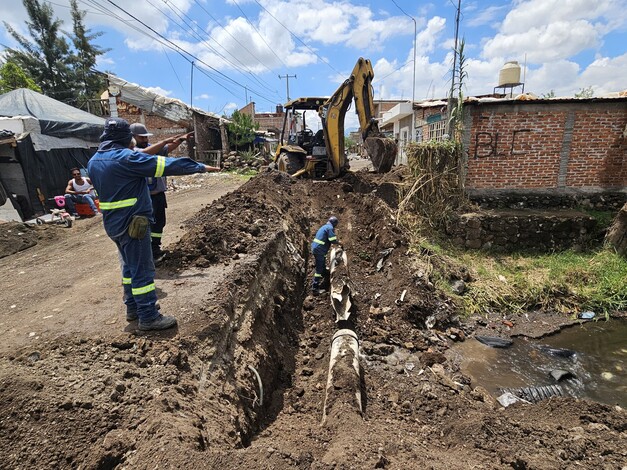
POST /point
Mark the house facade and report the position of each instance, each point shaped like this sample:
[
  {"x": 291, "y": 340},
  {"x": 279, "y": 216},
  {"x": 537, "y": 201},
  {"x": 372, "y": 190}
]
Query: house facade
[
  {"x": 520, "y": 144},
  {"x": 165, "y": 117}
]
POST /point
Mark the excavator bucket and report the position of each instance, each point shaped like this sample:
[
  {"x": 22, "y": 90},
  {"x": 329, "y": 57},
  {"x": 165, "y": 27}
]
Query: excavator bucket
[{"x": 382, "y": 153}]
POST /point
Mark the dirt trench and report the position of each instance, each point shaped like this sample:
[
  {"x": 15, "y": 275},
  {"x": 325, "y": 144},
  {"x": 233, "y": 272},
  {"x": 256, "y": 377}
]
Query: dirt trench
[{"x": 191, "y": 398}]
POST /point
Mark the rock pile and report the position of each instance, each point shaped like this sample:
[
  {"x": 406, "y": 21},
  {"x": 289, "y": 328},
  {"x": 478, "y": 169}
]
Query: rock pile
[{"x": 244, "y": 161}]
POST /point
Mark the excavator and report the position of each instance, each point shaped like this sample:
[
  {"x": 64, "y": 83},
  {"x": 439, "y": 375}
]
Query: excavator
[{"x": 301, "y": 153}]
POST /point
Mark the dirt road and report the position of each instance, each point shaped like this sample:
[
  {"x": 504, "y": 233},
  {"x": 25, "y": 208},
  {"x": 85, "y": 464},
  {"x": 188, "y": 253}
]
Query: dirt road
[{"x": 241, "y": 383}]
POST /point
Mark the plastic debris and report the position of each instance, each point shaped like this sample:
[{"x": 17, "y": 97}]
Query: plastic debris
[
  {"x": 586, "y": 315},
  {"x": 494, "y": 342}
]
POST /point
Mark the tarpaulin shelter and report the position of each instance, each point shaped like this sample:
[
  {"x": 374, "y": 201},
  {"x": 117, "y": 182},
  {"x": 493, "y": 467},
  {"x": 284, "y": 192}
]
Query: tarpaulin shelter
[{"x": 49, "y": 138}]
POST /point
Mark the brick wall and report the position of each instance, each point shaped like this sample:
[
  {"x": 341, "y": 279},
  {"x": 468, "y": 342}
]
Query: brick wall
[
  {"x": 547, "y": 145},
  {"x": 269, "y": 121}
]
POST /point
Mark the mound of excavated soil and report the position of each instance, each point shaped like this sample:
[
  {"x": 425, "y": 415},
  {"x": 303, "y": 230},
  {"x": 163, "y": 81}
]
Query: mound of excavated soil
[{"x": 242, "y": 385}]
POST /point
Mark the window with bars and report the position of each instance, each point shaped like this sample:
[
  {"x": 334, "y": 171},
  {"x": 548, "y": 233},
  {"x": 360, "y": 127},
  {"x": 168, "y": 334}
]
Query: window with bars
[{"x": 437, "y": 130}]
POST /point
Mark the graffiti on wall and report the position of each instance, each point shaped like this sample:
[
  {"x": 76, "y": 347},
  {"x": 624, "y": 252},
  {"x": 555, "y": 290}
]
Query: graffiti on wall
[{"x": 488, "y": 144}]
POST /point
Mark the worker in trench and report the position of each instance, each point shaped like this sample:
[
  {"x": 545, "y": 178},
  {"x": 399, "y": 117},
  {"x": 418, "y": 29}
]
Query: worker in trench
[
  {"x": 325, "y": 237},
  {"x": 119, "y": 175}
]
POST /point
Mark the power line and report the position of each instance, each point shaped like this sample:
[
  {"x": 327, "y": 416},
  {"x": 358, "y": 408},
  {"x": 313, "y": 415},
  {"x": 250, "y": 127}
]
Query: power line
[
  {"x": 257, "y": 31},
  {"x": 197, "y": 35},
  {"x": 233, "y": 37},
  {"x": 299, "y": 39},
  {"x": 180, "y": 50}
]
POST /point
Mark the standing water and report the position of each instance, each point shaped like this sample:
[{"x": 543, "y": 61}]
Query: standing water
[{"x": 595, "y": 353}]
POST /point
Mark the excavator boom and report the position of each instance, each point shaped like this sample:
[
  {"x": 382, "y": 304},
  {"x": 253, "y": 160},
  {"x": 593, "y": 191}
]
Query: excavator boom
[{"x": 381, "y": 150}]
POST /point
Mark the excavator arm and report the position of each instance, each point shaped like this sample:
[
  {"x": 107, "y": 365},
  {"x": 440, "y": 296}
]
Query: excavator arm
[{"x": 358, "y": 86}]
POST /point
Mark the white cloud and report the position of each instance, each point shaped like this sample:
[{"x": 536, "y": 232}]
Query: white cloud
[
  {"x": 550, "y": 30},
  {"x": 555, "y": 41},
  {"x": 203, "y": 96},
  {"x": 604, "y": 75},
  {"x": 486, "y": 17},
  {"x": 159, "y": 91},
  {"x": 229, "y": 107}
]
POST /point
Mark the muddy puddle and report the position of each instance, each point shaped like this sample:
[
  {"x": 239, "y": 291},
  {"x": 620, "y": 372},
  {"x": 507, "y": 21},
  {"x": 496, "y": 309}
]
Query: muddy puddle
[{"x": 590, "y": 361}]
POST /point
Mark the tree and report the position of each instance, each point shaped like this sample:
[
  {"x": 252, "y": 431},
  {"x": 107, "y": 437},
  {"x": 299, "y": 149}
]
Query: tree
[
  {"x": 13, "y": 77},
  {"x": 91, "y": 82},
  {"x": 587, "y": 92},
  {"x": 242, "y": 129},
  {"x": 47, "y": 57}
]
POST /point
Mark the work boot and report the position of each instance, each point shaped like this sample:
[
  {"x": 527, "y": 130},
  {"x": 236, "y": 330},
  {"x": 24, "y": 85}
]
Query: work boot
[
  {"x": 162, "y": 322},
  {"x": 131, "y": 315}
]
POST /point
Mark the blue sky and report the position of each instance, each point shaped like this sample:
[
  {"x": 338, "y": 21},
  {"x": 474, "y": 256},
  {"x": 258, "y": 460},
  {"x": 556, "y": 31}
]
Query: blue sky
[{"x": 566, "y": 45}]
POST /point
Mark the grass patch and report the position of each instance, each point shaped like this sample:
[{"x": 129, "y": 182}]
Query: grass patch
[
  {"x": 568, "y": 282},
  {"x": 243, "y": 174},
  {"x": 604, "y": 218}
]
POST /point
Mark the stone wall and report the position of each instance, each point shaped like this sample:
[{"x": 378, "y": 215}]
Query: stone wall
[
  {"x": 523, "y": 230},
  {"x": 530, "y": 199}
]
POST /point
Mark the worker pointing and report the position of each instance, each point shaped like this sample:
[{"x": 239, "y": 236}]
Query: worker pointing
[
  {"x": 119, "y": 175},
  {"x": 325, "y": 237}
]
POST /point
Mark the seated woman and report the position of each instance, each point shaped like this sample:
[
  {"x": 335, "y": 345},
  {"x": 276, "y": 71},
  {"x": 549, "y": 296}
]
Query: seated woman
[{"x": 79, "y": 190}]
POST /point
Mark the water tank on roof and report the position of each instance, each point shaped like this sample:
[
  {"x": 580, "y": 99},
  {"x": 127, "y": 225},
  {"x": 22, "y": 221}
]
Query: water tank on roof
[{"x": 509, "y": 74}]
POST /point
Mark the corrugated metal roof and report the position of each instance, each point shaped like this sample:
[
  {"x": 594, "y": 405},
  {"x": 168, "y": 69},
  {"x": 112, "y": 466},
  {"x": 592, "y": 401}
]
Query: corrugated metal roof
[
  {"x": 169, "y": 108},
  {"x": 618, "y": 95}
]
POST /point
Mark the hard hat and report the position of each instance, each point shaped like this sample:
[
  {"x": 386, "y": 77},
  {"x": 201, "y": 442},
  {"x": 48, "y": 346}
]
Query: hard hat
[{"x": 333, "y": 220}]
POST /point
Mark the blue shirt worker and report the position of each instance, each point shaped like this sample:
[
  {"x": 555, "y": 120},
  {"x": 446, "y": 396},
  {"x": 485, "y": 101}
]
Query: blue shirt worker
[
  {"x": 157, "y": 186},
  {"x": 119, "y": 175},
  {"x": 325, "y": 237}
]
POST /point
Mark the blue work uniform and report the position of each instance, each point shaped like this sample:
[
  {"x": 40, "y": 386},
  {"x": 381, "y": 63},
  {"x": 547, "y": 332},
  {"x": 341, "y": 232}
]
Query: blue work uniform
[
  {"x": 119, "y": 175},
  {"x": 325, "y": 237},
  {"x": 158, "y": 187}
]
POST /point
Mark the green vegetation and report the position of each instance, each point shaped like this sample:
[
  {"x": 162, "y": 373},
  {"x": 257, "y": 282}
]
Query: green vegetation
[
  {"x": 241, "y": 130},
  {"x": 243, "y": 174},
  {"x": 12, "y": 77},
  {"x": 566, "y": 282},
  {"x": 587, "y": 92},
  {"x": 604, "y": 218},
  {"x": 64, "y": 70}
]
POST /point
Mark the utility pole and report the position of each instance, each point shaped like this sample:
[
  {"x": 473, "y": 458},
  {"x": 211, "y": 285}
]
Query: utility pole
[
  {"x": 246, "y": 94},
  {"x": 191, "y": 88},
  {"x": 287, "y": 82},
  {"x": 449, "y": 126}
]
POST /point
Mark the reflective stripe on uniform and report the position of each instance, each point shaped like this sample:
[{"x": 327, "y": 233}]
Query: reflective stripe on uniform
[
  {"x": 160, "y": 167},
  {"x": 332, "y": 239},
  {"x": 317, "y": 275},
  {"x": 155, "y": 235},
  {"x": 107, "y": 206},
  {"x": 319, "y": 242},
  {"x": 126, "y": 280},
  {"x": 143, "y": 290}
]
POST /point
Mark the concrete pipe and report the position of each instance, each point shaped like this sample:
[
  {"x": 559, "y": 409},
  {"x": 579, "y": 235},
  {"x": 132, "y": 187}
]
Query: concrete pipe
[
  {"x": 343, "y": 392},
  {"x": 340, "y": 285}
]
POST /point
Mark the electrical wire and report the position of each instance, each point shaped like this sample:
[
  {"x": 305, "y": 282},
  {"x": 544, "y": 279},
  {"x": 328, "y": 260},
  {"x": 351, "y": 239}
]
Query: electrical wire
[
  {"x": 257, "y": 31},
  {"x": 296, "y": 37},
  {"x": 182, "y": 51},
  {"x": 192, "y": 24},
  {"x": 233, "y": 37}
]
